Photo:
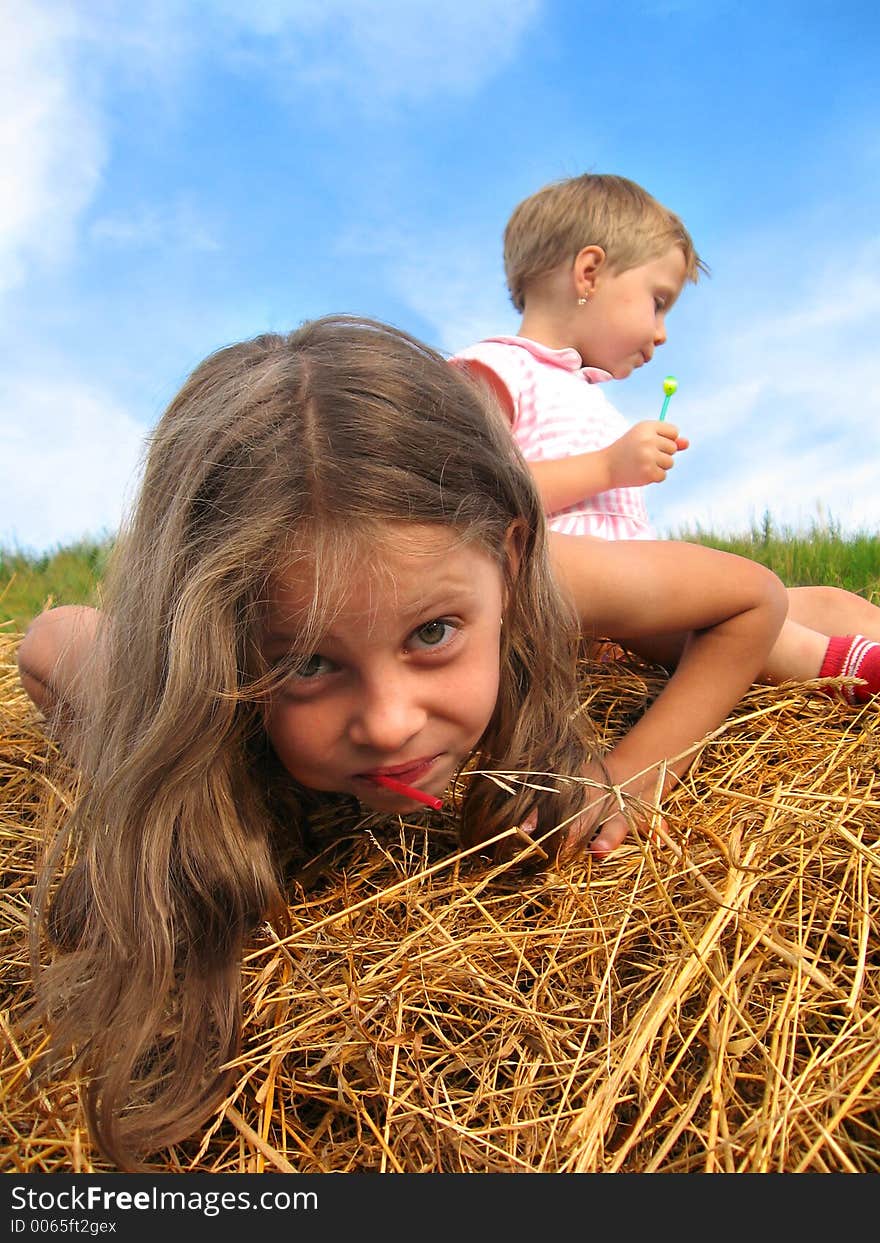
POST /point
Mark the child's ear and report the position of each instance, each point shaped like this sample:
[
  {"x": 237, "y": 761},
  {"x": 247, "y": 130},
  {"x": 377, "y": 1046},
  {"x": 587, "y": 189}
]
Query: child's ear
[
  {"x": 514, "y": 543},
  {"x": 587, "y": 265}
]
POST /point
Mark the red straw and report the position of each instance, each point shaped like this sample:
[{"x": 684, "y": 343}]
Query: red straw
[{"x": 398, "y": 787}]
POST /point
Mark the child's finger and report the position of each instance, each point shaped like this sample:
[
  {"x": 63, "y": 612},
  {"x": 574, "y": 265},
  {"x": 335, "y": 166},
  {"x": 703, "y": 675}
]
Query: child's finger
[
  {"x": 614, "y": 830},
  {"x": 611, "y": 833},
  {"x": 530, "y": 824}
]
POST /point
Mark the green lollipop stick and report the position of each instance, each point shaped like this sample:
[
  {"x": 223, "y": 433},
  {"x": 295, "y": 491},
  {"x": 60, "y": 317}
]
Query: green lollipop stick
[{"x": 670, "y": 384}]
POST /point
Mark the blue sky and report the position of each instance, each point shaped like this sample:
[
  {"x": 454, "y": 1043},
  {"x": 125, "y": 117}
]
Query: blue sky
[{"x": 176, "y": 176}]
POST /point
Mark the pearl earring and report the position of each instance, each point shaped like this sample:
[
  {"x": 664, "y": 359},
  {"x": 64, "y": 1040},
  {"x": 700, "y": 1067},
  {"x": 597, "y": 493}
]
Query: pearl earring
[{"x": 583, "y": 300}]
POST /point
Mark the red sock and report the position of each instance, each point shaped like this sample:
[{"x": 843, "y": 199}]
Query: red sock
[{"x": 853, "y": 656}]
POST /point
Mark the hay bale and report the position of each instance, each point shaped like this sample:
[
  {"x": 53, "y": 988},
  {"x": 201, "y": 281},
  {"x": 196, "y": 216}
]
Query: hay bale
[{"x": 705, "y": 1000}]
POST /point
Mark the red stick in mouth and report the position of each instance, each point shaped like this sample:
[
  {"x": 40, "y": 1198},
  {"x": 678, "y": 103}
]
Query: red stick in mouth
[{"x": 398, "y": 787}]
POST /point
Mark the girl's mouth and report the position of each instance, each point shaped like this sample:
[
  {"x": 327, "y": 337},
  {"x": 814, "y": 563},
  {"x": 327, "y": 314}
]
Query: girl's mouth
[
  {"x": 430, "y": 800},
  {"x": 399, "y": 778}
]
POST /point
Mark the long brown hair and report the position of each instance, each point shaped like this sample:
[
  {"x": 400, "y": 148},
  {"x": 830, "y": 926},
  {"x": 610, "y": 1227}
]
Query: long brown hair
[{"x": 284, "y": 443}]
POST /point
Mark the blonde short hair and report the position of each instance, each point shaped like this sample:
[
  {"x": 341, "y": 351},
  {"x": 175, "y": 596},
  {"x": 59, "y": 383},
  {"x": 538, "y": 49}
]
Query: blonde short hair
[{"x": 594, "y": 209}]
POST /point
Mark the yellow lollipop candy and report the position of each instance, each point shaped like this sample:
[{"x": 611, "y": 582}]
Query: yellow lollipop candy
[{"x": 670, "y": 384}]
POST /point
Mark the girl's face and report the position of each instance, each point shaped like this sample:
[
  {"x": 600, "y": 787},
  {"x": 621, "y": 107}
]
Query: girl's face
[
  {"x": 624, "y": 319},
  {"x": 405, "y": 680}
]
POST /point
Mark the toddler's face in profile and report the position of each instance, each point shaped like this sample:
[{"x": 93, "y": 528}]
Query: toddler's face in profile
[{"x": 624, "y": 320}]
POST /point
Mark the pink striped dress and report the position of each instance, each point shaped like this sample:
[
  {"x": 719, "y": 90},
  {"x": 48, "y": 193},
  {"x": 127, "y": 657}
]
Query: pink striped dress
[{"x": 558, "y": 410}]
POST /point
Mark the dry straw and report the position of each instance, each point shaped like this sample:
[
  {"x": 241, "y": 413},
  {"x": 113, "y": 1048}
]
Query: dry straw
[{"x": 706, "y": 1000}]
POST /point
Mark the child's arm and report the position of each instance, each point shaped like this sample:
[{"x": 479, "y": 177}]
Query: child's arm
[
  {"x": 51, "y": 656},
  {"x": 723, "y": 611},
  {"x": 641, "y": 456}
]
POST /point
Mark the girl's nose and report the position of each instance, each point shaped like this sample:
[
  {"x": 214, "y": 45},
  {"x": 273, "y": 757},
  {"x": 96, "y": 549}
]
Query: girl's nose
[
  {"x": 660, "y": 331},
  {"x": 387, "y": 716}
]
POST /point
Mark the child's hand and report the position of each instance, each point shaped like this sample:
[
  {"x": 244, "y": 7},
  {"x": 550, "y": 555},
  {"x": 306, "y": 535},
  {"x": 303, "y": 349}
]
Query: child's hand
[
  {"x": 611, "y": 810},
  {"x": 599, "y": 829},
  {"x": 601, "y": 826},
  {"x": 644, "y": 454}
]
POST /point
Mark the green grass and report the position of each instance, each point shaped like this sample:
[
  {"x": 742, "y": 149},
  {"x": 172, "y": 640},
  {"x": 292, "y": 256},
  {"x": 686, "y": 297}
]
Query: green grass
[
  {"x": 65, "y": 575},
  {"x": 821, "y": 555}
]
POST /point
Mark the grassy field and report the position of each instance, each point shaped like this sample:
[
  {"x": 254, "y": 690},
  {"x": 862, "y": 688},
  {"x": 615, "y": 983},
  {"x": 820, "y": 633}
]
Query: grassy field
[
  {"x": 68, "y": 575},
  {"x": 821, "y": 555}
]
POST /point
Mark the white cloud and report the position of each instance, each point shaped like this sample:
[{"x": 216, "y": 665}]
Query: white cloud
[
  {"x": 796, "y": 432},
  {"x": 52, "y": 146},
  {"x": 385, "y": 49},
  {"x": 178, "y": 225},
  {"x": 816, "y": 331},
  {"x": 376, "y": 52},
  {"x": 58, "y": 60},
  {"x": 814, "y": 488},
  {"x": 69, "y": 460},
  {"x": 467, "y": 302}
]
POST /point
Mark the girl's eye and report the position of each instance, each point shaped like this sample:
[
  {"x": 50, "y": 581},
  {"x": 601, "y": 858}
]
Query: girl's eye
[
  {"x": 313, "y": 667},
  {"x": 435, "y": 633}
]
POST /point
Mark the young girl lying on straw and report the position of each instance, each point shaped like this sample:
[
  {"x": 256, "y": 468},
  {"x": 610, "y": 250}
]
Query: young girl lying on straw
[{"x": 334, "y": 586}]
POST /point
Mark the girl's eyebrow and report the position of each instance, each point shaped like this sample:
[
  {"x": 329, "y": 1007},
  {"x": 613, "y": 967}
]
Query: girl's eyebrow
[
  {"x": 445, "y": 595},
  {"x": 442, "y": 596},
  {"x": 271, "y": 637}
]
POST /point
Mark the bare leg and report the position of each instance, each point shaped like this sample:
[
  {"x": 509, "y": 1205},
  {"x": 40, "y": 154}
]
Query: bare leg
[
  {"x": 815, "y": 615},
  {"x": 796, "y": 656},
  {"x": 834, "y": 611}
]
